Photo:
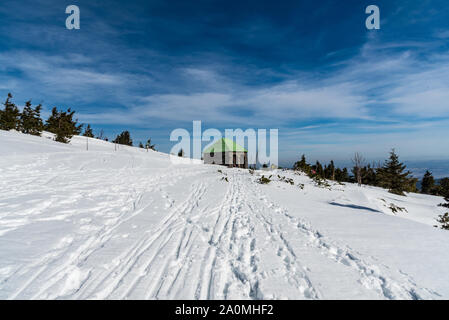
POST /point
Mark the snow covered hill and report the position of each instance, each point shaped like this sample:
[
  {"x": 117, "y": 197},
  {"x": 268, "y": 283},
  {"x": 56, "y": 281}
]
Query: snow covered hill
[{"x": 129, "y": 224}]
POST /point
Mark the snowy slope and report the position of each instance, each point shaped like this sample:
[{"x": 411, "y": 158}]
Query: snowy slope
[{"x": 129, "y": 224}]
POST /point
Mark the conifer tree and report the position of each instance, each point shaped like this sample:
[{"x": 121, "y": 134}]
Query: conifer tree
[
  {"x": 141, "y": 145},
  {"x": 411, "y": 185},
  {"x": 124, "y": 138},
  {"x": 392, "y": 176},
  {"x": 325, "y": 171},
  {"x": 302, "y": 165},
  {"x": 345, "y": 175},
  {"x": 148, "y": 145},
  {"x": 444, "y": 191},
  {"x": 9, "y": 117},
  {"x": 338, "y": 175},
  {"x": 331, "y": 170},
  {"x": 88, "y": 132},
  {"x": 61, "y": 123},
  {"x": 341, "y": 175},
  {"x": 30, "y": 120},
  {"x": 181, "y": 153},
  {"x": 369, "y": 175},
  {"x": 427, "y": 183},
  {"x": 319, "y": 169}
]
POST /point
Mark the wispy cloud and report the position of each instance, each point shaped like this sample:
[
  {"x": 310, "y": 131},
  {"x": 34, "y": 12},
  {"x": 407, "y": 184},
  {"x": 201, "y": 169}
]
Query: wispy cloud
[
  {"x": 442, "y": 34},
  {"x": 145, "y": 65}
]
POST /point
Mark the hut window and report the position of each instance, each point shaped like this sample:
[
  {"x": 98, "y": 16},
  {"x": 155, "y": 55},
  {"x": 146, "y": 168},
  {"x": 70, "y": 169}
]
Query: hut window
[{"x": 212, "y": 154}]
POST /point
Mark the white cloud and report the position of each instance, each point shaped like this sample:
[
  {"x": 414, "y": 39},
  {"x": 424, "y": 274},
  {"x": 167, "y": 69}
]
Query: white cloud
[
  {"x": 74, "y": 78},
  {"x": 276, "y": 105},
  {"x": 370, "y": 86},
  {"x": 408, "y": 85},
  {"x": 442, "y": 34}
]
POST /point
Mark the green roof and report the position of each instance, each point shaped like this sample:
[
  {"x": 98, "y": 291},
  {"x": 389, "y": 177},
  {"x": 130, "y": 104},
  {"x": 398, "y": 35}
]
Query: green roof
[{"x": 225, "y": 145}]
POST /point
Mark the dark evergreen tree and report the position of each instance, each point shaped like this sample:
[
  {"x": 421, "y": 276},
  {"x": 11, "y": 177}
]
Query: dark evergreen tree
[
  {"x": 345, "y": 175},
  {"x": 302, "y": 165},
  {"x": 9, "y": 117},
  {"x": 141, "y": 145},
  {"x": 411, "y": 185},
  {"x": 444, "y": 191},
  {"x": 30, "y": 120},
  {"x": 338, "y": 175},
  {"x": 148, "y": 145},
  {"x": 444, "y": 187},
  {"x": 391, "y": 176},
  {"x": 88, "y": 132},
  {"x": 369, "y": 175},
  {"x": 341, "y": 175},
  {"x": 325, "y": 172},
  {"x": 427, "y": 183},
  {"x": 354, "y": 173},
  {"x": 318, "y": 169},
  {"x": 124, "y": 138},
  {"x": 181, "y": 153},
  {"x": 61, "y": 123},
  {"x": 331, "y": 171}
]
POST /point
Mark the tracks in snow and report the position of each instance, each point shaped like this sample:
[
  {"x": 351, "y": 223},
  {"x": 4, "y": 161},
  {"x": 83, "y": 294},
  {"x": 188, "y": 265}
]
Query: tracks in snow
[
  {"x": 235, "y": 244},
  {"x": 371, "y": 275},
  {"x": 237, "y": 263}
]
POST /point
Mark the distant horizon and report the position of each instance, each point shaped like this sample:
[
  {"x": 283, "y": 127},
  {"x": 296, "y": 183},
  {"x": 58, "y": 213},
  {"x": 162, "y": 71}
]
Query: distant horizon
[{"x": 438, "y": 168}]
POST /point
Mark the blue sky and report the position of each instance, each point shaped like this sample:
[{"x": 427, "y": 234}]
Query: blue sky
[{"x": 308, "y": 68}]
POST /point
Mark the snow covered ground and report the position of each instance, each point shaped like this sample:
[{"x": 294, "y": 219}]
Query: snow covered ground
[{"x": 129, "y": 224}]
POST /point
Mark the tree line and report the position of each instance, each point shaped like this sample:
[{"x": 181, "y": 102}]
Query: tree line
[
  {"x": 61, "y": 123},
  {"x": 391, "y": 175}
]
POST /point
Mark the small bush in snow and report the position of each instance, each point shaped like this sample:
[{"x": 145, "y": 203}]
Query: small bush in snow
[
  {"x": 444, "y": 220},
  {"x": 286, "y": 180},
  {"x": 446, "y": 205},
  {"x": 395, "y": 209},
  {"x": 320, "y": 182},
  {"x": 264, "y": 180}
]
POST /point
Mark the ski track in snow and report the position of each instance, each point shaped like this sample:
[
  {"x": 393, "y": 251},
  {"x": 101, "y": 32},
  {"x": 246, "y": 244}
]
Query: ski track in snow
[
  {"x": 234, "y": 243},
  {"x": 371, "y": 275}
]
